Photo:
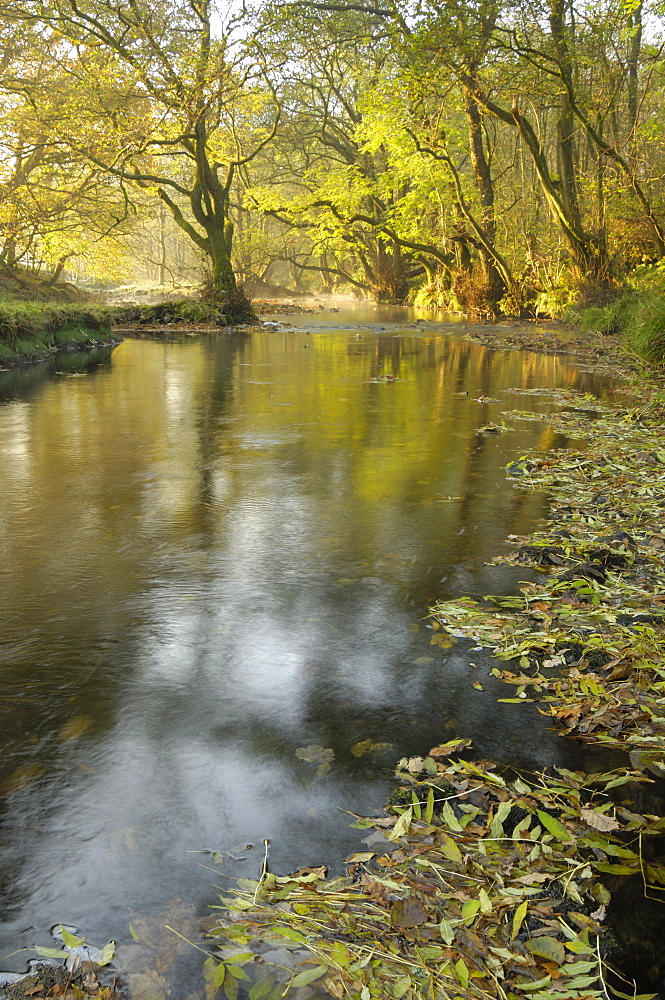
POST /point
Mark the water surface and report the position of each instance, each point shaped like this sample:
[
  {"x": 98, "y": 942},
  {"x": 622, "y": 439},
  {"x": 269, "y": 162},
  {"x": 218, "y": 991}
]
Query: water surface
[{"x": 218, "y": 551}]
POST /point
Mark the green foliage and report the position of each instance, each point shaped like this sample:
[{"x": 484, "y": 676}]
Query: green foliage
[
  {"x": 645, "y": 330},
  {"x": 638, "y": 312},
  {"x": 554, "y": 302}
]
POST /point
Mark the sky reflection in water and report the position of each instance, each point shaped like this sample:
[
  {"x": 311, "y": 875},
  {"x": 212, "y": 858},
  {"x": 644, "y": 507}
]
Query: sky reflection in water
[{"x": 217, "y": 551}]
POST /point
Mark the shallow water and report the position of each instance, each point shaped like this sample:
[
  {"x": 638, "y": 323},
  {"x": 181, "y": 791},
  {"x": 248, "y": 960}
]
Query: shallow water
[{"x": 218, "y": 551}]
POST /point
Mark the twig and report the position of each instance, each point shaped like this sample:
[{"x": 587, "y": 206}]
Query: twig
[{"x": 264, "y": 870}]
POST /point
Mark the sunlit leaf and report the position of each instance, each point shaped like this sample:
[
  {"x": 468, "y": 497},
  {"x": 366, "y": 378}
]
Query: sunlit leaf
[
  {"x": 69, "y": 939},
  {"x": 449, "y": 849},
  {"x": 402, "y": 825},
  {"x": 108, "y": 952}
]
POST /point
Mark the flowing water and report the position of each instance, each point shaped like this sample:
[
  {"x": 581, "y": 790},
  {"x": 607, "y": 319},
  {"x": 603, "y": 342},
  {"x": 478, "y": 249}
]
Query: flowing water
[{"x": 216, "y": 555}]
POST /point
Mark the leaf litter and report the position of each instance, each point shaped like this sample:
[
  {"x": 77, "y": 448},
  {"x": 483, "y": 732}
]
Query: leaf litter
[
  {"x": 497, "y": 886},
  {"x": 492, "y": 889}
]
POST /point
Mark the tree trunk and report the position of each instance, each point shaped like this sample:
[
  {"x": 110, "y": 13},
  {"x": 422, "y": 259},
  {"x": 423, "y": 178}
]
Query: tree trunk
[
  {"x": 222, "y": 277},
  {"x": 495, "y": 283},
  {"x": 566, "y": 120}
]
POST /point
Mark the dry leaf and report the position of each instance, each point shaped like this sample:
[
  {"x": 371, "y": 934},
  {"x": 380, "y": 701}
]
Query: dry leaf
[
  {"x": 409, "y": 912},
  {"x": 599, "y": 821}
]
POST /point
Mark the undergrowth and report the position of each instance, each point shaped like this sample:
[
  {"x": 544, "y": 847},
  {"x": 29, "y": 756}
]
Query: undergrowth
[{"x": 637, "y": 313}]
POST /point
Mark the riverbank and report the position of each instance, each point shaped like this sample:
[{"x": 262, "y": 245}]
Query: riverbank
[
  {"x": 492, "y": 885},
  {"x": 35, "y": 331}
]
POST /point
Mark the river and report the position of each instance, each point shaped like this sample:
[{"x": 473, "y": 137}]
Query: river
[{"x": 217, "y": 555}]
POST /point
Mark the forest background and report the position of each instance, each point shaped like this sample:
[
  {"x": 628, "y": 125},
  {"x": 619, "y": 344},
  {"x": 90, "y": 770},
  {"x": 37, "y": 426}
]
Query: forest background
[{"x": 491, "y": 157}]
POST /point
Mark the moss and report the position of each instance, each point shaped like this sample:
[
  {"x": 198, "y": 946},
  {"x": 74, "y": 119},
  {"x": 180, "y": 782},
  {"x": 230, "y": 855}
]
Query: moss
[
  {"x": 33, "y": 329},
  {"x": 234, "y": 308}
]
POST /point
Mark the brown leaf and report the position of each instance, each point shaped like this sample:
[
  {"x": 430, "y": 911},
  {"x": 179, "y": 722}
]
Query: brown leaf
[
  {"x": 335, "y": 987},
  {"x": 599, "y": 821},
  {"x": 621, "y": 671},
  {"x": 409, "y": 912}
]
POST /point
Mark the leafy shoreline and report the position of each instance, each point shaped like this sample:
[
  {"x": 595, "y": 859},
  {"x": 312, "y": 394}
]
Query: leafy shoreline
[{"x": 499, "y": 887}]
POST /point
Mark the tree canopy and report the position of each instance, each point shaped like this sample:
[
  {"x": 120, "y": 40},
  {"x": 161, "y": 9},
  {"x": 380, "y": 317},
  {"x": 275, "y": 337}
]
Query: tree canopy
[{"x": 487, "y": 155}]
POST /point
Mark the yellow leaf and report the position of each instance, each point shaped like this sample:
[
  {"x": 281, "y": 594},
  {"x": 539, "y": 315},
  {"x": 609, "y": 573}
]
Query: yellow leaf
[{"x": 518, "y": 917}]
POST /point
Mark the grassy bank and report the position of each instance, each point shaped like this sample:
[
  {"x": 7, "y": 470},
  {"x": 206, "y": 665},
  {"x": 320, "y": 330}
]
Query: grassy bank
[
  {"x": 494, "y": 885},
  {"x": 636, "y": 312},
  {"x": 34, "y": 330}
]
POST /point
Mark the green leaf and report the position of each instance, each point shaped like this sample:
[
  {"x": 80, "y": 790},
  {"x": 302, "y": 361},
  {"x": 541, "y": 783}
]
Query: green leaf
[
  {"x": 518, "y": 917},
  {"x": 580, "y": 945},
  {"x": 529, "y": 985},
  {"x": 237, "y": 972},
  {"x": 402, "y": 825},
  {"x": 449, "y": 849},
  {"x": 462, "y": 973},
  {"x": 69, "y": 939},
  {"x": 50, "y": 952},
  {"x": 502, "y": 813},
  {"x": 290, "y": 933},
  {"x": 262, "y": 989},
  {"x": 447, "y": 932},
  {"x": 231, "y": 988},
  {"x": 429, "y": 812},
  {"x": 470, "y": 909},
  {"x": 401, "y": 986},
  {"x": 556, "y": 828},
  {"x": 450, "y": 819},
  {"x": 108, "y": 952},
  {"x": 601, "y": 866},
  {"x": 309, "y": 975},
  {"x": 580, "y": 968},
  {"x": 547, "y": 947}
]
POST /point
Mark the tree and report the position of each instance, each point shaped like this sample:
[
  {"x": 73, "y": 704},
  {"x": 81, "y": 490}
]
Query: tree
[
  {"x": 563, "y": 150},
  {"x": 54, "y": 204},
  {"x": 177, "y": 94}
]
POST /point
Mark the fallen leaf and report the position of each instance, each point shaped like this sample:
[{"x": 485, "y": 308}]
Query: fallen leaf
[
  {"x": 368, "y": 746},
  {"x": 409, "y": 912},
  {"x": 547, "y": 947},
  {"x": 599, "y": 821}
]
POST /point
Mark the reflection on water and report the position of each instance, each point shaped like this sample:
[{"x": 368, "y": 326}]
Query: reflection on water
[{"x": 216, "y": 553}]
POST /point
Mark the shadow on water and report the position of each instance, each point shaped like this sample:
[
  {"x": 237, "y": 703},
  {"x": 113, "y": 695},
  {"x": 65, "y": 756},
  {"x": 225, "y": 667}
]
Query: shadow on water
[{"x": 217, "y": 557}]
